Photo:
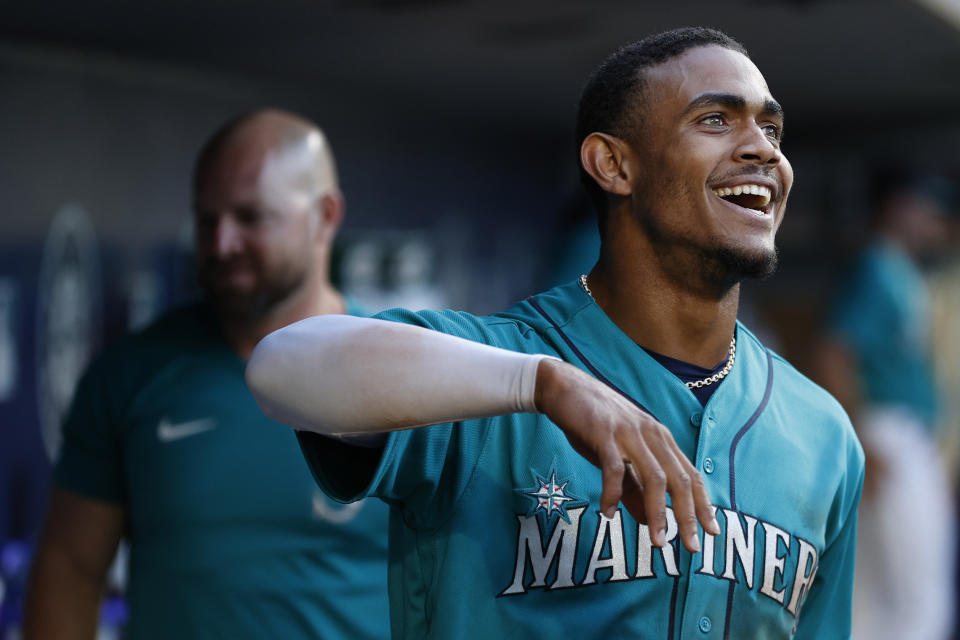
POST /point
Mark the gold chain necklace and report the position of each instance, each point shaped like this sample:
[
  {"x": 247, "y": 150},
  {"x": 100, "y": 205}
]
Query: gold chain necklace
[{"x": 696, "y": 384}]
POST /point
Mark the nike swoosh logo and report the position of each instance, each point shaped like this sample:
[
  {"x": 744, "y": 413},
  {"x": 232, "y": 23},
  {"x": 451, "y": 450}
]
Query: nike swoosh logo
[{"x": 168, "y": 431}]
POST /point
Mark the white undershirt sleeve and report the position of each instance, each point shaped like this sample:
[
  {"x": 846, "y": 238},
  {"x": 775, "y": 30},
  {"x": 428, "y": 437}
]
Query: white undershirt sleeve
[{"x": 343, "y": 375}]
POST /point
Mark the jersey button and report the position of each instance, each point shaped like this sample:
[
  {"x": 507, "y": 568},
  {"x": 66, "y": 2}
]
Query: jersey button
[
  {"x": 708, "y": 465},
  {"x": 696, "y": 418},
  {"x": 705, "y": 624}
]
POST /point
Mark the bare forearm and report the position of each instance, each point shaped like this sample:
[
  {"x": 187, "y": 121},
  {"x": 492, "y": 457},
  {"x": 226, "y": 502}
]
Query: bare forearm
[
  {"x": 69, "y": 570},
  {"x": 61, "y": 602}
]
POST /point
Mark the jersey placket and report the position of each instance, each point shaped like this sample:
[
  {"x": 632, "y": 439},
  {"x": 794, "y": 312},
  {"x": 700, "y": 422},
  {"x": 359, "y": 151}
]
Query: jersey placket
[
  {"x": 731, "y": 412},
  {"x": 640, "y": 378}
]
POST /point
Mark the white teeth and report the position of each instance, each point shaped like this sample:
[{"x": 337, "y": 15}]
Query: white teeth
[{"x": 749, "y": 189}]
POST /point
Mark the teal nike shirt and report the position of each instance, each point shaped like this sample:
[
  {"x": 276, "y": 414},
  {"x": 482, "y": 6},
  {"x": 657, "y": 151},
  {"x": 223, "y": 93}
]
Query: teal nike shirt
[
  {"x": 230, "y": 537},
  {"x": 496, "y": 530}
]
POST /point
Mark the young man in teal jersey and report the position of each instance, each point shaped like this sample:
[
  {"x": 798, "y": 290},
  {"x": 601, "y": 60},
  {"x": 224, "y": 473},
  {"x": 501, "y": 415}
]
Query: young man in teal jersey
[
  {"x": 164, "y": 444},
  {"x": 536, "y": 504}
]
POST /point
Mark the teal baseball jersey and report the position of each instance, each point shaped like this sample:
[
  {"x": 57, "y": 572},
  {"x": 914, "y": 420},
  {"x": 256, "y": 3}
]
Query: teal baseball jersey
[
  {"x": 230, "y": 537},
  {"x": 882, "y": 313},
  {"x": 496, "y": 530}
]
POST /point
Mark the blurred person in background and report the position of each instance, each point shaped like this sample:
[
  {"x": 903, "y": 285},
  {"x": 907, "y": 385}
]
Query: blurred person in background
[
  {"x": 876, "y": 359},
  {"x": 165, "y": 445}
]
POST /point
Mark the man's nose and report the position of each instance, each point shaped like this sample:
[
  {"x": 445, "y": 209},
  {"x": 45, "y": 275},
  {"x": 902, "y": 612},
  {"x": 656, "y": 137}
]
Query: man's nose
[
  {"x": 757, "y": 147},
  {"x": 227, "y": 237}
]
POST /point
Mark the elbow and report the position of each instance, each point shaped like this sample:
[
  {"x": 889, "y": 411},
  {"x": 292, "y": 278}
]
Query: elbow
[
  {"x": 264, "y": 376},
  {"x": 306, "y": 375},
  {"x": 283, "y": 377}
]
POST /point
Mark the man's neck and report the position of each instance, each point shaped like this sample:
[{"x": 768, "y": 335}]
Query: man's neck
[
  {"x": 662, "y": 313},
  {"x": 244, "y": 334}
]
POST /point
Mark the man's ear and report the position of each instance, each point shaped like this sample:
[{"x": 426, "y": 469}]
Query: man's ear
[
  {"x": 608, "y": 161},
  {"x": 329, "y": 211}
]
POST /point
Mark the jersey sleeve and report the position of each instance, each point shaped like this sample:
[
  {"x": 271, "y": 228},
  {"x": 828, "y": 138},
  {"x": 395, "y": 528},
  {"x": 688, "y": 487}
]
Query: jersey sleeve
[
  {"x": 90, "y": 460},
  {"x": 420, "y": 471},
  {"x": 826, "y": 614}
]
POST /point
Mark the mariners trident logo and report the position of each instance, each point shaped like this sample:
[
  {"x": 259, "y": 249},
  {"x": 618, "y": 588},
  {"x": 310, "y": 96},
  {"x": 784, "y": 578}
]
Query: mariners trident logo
[{"x": 550, "y": 497}]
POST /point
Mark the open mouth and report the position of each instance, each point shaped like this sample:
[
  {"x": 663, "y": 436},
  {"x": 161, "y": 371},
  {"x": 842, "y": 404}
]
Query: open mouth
[{"x": 749, "y": 196}]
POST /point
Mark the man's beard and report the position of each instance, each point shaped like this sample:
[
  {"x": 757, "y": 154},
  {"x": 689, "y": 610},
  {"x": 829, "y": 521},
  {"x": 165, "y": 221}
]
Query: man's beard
[
  {"x": 250, "y": 305},
  {"x": 740, "y": 264},
  {"x": 722, "y": 268},
  {"x": 247, "y": 306},
  {"x": 714, "y": 268},
  {"x": 709, "y": 264}
]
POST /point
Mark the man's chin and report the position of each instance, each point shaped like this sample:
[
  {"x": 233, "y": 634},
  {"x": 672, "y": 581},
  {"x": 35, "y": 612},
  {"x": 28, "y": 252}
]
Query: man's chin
[
  {"x": 739, "y": 263},
  {"x": 236, "y": 304}
]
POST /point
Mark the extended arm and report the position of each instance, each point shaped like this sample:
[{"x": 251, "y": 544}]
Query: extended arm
[
  {"x": 340, "y": 375},
  {"x": 69, "y": 571}
]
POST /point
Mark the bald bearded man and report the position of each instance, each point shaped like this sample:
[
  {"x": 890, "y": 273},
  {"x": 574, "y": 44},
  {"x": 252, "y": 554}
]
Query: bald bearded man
[{"x": 165, "y": 446}]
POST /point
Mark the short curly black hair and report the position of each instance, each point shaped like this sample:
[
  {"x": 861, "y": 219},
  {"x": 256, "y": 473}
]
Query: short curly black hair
[{"x": 610, "y": 98}]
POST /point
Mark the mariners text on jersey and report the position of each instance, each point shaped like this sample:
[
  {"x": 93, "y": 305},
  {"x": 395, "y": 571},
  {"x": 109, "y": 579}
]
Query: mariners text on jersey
[{"x": 546, "y": 554}]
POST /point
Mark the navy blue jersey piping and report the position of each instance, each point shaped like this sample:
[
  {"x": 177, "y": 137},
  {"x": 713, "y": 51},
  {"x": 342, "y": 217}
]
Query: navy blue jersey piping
[
  {"x": 726, "y": 621},
  {"x": 733, "y": 475},
  {"x": 583, "y": 358},
  {"x": 745, "y": 428},
  {"x": 673, "y": 607}
]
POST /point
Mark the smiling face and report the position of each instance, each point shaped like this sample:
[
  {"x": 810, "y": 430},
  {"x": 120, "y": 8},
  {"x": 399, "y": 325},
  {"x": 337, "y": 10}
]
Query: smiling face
[
  {"x": 712, "y": 184},
  {"x": 255, "y": 227}
]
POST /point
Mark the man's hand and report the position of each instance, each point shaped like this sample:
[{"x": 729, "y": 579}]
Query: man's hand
[{"x": 637, "y": 455}]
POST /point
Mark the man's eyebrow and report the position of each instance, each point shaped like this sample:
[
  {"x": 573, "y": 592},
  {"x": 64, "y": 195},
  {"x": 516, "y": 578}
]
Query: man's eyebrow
[
  {"x": 772, "y": 108},
  {"x": 731, "y": 101}
]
